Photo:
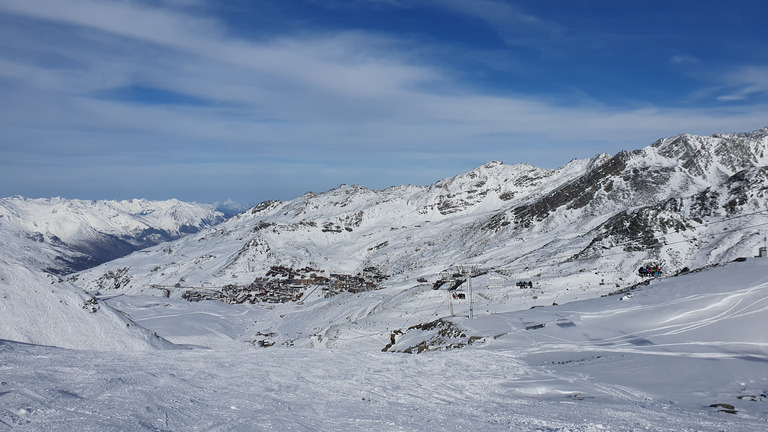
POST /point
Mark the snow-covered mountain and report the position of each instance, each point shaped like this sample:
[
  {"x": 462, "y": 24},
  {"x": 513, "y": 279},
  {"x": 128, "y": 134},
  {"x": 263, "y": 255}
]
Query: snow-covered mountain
[
  {"x": 42, "y": 237},
  {"x": 41, "y": 309},
  {"x": 64, "y": 235},
  {"x": 681, "y": 203}
]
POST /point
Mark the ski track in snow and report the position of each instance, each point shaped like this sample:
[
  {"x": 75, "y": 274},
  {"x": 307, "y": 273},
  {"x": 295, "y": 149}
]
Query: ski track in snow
[
  {"x": 600, "y": 364},
  {"x": 300, "y": 389}
]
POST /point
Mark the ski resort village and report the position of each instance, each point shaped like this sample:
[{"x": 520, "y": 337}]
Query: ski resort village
[
  {"x": 625, "y": 292},
  {"x": 383, "y": 215}
]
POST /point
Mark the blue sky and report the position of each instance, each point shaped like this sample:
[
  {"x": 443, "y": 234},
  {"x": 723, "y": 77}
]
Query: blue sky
[{"x": 255, "y": 100}]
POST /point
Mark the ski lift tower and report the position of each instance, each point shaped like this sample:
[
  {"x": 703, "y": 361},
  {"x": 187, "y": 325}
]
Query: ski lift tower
[
  {"x": 468, "y": 269},
  {"x": 448, "y": 278}
]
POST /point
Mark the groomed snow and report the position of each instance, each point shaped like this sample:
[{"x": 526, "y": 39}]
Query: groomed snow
[
  {"x": 309, "y": 390},
  {"x": 675, "y": 355}
]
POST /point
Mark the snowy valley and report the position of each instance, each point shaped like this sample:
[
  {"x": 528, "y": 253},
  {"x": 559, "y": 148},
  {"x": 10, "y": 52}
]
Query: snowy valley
[
  {"x": 61, "y": 236},
  {"x": 518, "y": 287}
]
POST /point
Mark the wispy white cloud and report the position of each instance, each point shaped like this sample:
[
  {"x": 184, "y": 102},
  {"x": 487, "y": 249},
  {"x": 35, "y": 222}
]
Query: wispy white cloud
[
  {"x": 345, "y": 63},
  {"x": 513, "y": 25},
  {"x": 510, "y": 22},
  {"x": 127, "y": 19},
  {"x": 745, "y": 82},
  {"x": 195, "y": 56},
  {"x": 350, "y": 97},
  {"x": 684, "y": 59},
  {"x": 503, "y": 16}
]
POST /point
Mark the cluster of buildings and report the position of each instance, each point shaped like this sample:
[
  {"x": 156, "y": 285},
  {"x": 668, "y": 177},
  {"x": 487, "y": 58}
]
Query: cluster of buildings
[{"x": 284, "y": 284}]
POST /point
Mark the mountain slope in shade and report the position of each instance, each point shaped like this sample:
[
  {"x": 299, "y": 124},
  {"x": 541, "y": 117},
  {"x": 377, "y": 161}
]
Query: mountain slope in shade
[
  {"x": 62, "y": 235},
  {"x": 683, "y": 202},
  {"x": 46, "y": 236}
]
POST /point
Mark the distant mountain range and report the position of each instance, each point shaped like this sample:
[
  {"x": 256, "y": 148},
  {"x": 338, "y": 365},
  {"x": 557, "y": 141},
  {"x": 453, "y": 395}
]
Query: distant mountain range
[
  {"x": 42, "y": 238},
  {"x": 681, "y": 203},
  {"x": 61, "y": 235},
  {"x": 574, "y": 232}
]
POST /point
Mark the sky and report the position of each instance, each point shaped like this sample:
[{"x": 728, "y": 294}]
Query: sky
[{"x": 253, "y": 100}]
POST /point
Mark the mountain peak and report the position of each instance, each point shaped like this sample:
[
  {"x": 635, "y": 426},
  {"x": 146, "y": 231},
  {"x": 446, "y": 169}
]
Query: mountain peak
[
  {"x": 492, "y": 164},
  {"x": 719, "y": 155}
]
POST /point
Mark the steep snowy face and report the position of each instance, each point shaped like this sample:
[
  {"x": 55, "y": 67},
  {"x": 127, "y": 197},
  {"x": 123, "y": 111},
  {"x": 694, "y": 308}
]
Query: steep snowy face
[
  {"x": 581, "y": 190},
  {"x": 486, "y": 187},
  {"x": 41, "y": 309},
  {"x": 685, "y": 164},
  {"x": 686, "y": 201},
  {"x": 70, "y": 235},
  {"x": 668, "y": 202}
]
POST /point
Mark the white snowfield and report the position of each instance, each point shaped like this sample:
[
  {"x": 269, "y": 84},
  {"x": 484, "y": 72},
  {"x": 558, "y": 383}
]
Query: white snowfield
[
  {"x": 39, "y": 309},
  {"x": 680, "y": 353},
  {"x": 685, "y": 353}
]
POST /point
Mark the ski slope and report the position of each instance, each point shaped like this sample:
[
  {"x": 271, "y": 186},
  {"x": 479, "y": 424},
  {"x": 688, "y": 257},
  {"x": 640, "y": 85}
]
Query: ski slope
[
  {"x": 41, "y": 309},
  {"x": 686, "y": 353}
]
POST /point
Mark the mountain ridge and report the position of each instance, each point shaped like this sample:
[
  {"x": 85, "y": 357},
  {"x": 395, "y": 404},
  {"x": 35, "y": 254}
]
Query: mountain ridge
[
  {"x": 79, "y": 234},
  {"x": 511, "y": 218}
]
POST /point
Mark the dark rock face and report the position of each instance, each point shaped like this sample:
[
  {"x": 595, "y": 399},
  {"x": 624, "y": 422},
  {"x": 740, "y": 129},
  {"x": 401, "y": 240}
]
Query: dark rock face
[
  {"x": 638, "y": 230},
  {"x": 573, "y": 195},
  {"x": 631, "y": 179},
  {"x": 744, "y": 186},
  {"x": 699, "y": 154}
]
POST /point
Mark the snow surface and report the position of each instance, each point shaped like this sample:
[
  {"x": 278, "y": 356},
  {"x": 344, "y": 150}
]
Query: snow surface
[
  {"x": 40, "y": 309},
  {"x": 70, "y": 219},
  {"x": 671, "y": 356}
]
